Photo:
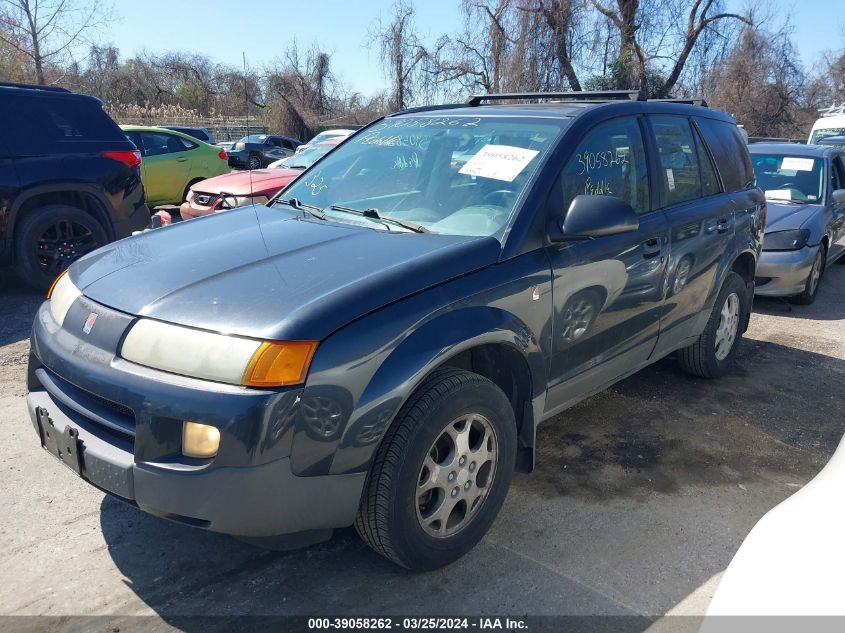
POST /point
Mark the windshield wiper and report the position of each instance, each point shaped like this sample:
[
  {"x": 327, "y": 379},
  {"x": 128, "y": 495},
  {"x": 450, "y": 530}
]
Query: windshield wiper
[
  {"x": 317, "y": 212},
  {"x": 375, "y": 215}
]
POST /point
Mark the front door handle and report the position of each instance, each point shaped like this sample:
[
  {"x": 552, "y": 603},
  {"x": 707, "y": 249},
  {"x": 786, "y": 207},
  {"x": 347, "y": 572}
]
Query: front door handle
[
  {"x": 652, "y": 248},
  {"x": 723, "y": 224},
  {"x": 181, "y": 160}
]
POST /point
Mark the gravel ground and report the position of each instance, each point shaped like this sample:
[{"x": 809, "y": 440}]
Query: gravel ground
[{"x": 641, "y": 496}]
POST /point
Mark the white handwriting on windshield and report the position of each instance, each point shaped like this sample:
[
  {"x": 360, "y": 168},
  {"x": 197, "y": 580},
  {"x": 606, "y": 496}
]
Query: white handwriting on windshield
[
  {"x": 375, "y": 137},
  {"x": 316, "y": 184},
  {"x": 424, "y": 122}
]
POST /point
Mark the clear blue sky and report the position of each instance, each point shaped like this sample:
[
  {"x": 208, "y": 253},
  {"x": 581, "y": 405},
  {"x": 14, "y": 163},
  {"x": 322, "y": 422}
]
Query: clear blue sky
[{"x": 223, "y": 29}]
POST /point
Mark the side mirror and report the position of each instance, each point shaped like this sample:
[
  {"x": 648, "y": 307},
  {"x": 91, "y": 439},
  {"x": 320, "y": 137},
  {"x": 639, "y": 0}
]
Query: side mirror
[
  {"x": 839, "y": 196},
  {"x": 590, "y": 217}
]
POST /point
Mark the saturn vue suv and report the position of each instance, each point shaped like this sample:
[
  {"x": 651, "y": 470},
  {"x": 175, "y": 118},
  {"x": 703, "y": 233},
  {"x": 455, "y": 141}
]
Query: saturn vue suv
[{"x": 377, "y": 344}]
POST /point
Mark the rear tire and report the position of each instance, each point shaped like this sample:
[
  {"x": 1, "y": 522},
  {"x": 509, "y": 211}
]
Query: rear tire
[
  {"x": 814, "y": 279},
  {"x": 49, "y": 239},
  {"x": 441, "y": 473},
  {"x": 713, "y": 353},
  {"x": 253, "y": 162}
]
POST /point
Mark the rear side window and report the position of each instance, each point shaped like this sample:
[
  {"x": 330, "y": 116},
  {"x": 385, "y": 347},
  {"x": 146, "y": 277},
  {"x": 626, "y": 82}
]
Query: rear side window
[
  {"x": 159, "y": 143},
  {"x": 685, "y": 168},
  {"x": 609, "y": 161},
  {"x": 37, "y": 125},
  {"x": 730, "y": 152}
]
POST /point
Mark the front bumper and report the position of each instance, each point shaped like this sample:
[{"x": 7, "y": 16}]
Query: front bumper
[
  {"x": 129, "y": 421},
  {"x": 784, "y": 273}
]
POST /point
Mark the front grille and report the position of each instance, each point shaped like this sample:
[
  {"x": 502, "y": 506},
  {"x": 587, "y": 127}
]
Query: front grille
[
  {"x": 205, "y": 199},
  {"x": 112, "y": 417}
]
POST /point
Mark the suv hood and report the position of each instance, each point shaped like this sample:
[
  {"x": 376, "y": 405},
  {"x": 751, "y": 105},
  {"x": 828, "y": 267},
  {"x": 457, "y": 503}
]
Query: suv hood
[
  {"x": 270, "y": 273},
  {"x": 782, "y": 217}
]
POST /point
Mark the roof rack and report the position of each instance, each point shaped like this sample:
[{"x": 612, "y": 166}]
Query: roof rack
[
  {"x": 11, "y": 84},
  {"x": 444, "y": 106},
  {"x": 583, "y": 95},
  {"x": 695, "y": 102}
]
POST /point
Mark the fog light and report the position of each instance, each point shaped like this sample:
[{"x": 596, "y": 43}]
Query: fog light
[{"x": 200, "y": 440}]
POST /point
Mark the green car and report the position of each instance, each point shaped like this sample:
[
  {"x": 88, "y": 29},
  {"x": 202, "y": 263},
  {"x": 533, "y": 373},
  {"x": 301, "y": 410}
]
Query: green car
[{"x": 172, "y": 162}]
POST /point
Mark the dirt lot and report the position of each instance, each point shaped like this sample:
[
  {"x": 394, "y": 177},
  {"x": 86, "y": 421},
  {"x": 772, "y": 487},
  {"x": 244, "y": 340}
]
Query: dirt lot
[{"x": 641, "y": 497}]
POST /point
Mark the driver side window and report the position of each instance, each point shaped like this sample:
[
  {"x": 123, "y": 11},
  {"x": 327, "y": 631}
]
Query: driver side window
[{"x": 609, "y": 161}]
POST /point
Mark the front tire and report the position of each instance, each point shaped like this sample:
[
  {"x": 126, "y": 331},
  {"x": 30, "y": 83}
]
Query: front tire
[
  {"x": 713, "y": 353},
  {"x": 441, "y": 473},
  {"x": 811, "y": 288},
  {"x": 254, "y": 162}
]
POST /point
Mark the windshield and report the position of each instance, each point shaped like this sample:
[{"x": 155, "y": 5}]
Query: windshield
[
  {"x": 795, "y": 178},
  {"x": 254, "y": 138},
  {"x": 818, "y": 135},
  {"x": 459, "y": 175},
  {"x": 306, "y": 157}
]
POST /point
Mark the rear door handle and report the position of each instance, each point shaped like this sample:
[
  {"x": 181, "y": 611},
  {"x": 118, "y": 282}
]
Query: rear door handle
[{"x": 652, "y": 247}]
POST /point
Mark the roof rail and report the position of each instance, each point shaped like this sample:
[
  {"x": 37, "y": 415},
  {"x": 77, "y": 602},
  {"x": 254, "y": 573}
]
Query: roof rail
[
  {"x": 12, "y": 84},
  {"x": 695, "y": 102},
  {"x": 444, "y": 106},
  {"x": 582, "y": 95}
]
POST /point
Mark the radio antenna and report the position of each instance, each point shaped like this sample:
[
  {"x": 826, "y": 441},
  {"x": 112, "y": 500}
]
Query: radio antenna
[{"x": 246, "y": 107}]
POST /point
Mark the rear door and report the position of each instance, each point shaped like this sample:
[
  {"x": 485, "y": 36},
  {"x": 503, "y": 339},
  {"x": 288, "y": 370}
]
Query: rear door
[
  {"x": 701, "y": 220},
  {"x": 607, "y": 292},
  {"x": 166, "y": 166}
]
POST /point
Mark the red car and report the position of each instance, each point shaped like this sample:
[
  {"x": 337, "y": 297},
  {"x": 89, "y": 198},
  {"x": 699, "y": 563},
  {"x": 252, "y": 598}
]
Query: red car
[{"x": 241, "y": 188}]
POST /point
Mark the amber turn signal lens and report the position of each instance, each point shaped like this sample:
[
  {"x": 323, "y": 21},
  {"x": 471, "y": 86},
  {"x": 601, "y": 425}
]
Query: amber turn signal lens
[
  {"x": 276, "y": 364},
  {"x": 55, "y": 281}
]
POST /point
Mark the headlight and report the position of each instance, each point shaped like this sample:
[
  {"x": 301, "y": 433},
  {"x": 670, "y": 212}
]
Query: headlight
[
  {"x": 786, "y": 240},
  {"x": 62, "y": 294},
  {"x": 233, "y": 202},
  {"x": 230, "y": 359}
]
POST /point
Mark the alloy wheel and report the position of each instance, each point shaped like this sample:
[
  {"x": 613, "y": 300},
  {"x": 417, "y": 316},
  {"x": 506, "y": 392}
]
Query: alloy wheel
[
  {"x": 728, "y": 326},
  {"x": 456, "y": 475},
  {"x": 577, "y": 319},
  {"x": 62, "y": 243}
]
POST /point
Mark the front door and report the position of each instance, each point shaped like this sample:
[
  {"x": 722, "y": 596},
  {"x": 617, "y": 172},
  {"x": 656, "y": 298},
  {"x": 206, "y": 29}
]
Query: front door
[
  {"x": 607, "y": 292},
  {"x": 837, "y": 238}
]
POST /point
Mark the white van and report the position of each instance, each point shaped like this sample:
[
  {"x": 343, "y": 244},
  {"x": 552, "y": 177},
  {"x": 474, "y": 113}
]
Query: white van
[{"x": 831, "y": 123}]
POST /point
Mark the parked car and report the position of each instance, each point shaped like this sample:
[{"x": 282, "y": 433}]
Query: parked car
[
  {"x": 378, "y": 344},
  {"x": 831, "y": 123},
  {"x": 70, "y": 181},
  {"x": 791, "y": 562},
  {"x": 835, "y": 141},
  {"x": 805, "y": 229},
  {"x": 173, "y": 161},
  {"x": 325, "y": 136},
  {"x": 259, "y": 150},
  {"x": 239, "y": 188},
  {"x": 200, "y": 133}
]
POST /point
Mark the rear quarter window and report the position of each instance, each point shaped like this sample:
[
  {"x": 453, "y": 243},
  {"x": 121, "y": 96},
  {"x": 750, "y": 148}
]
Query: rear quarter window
[
  {"x": 730, "y": 153},
  {"x": 40, "y": 125}
]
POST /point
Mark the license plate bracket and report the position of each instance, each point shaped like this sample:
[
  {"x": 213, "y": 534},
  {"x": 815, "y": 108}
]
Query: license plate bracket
[{"x": 65, "y": 445}]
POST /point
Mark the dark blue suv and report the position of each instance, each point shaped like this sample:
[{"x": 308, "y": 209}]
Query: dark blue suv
[
  {"x": 70, "y": 180},
  {"x": 377, "y": 345}
]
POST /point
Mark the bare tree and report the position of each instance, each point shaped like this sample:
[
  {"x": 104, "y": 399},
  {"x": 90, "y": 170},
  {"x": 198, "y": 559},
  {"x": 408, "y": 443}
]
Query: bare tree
[
  {"x": 46, "y": 31},
  {"x": 650, "y": 31},
  {"x": 403, "y": 55}
]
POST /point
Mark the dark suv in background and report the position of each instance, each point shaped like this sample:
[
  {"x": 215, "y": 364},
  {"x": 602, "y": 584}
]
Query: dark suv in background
[
  {"x": 259, "y": 150},
  {"x": 377, "y": 344},
  {"x": 69, "y": 180}
]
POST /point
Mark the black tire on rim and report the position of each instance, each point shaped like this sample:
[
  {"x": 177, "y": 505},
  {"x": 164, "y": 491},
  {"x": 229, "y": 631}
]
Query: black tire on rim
[
  {"x": 254, "y": 162},
  {"x": 441, "y": 473},
  {"x": 811, "y": 288},
  {"x": 713, "y": 353},
  {"x": 49, "y": 239}
]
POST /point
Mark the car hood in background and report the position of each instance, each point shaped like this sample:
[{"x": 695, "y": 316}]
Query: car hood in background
[
  {"x": 241, "y": 183},
  {"x": 782, "y": 217},
  {"x": 270, "y": 273}
]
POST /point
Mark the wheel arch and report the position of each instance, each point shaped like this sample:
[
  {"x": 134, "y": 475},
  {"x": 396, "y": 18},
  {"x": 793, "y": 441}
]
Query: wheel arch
[
  {"x": 489, "y": 341},
  {"x": 85, "y": 197}
]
